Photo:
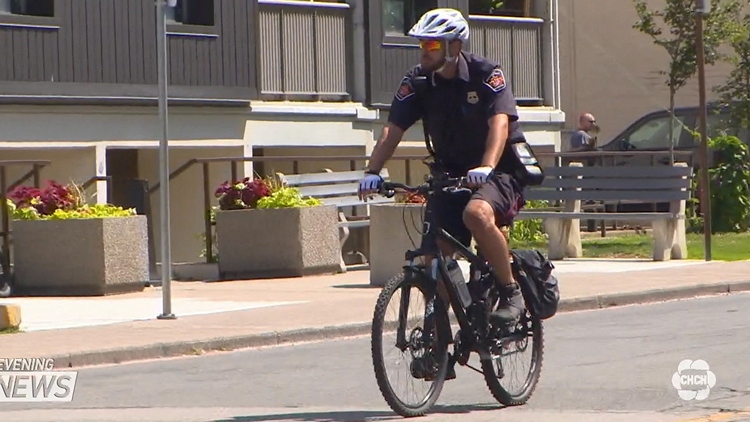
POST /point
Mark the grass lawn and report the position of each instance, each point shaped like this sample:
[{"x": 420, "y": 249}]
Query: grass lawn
[
  {"x": 9, "y": 331},
  {"x": 724, "y": 247}
]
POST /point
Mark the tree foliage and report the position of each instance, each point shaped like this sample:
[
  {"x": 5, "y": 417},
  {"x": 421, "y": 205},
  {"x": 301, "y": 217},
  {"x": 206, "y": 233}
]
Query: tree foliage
[
  {"x": 674, "y": 29},
  {"x": 735, "y": 92},
  {"x": 485, "y": 7}
]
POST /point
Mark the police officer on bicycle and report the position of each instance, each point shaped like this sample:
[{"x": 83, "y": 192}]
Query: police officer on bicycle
[{"x": 469, "y": 113}]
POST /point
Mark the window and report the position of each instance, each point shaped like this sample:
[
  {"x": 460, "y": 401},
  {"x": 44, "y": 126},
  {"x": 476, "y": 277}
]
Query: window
[
  {"x": 192, "y": 12},
  {"x": 715, "y": 125},
  {"x": 400, "y": 15},
  {"x": 654, "y": 134},
  {"x": 519, "y": 8},
  {"x": 44, "y": 8}
]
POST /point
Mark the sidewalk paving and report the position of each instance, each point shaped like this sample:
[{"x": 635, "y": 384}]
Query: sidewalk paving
[{"x": 237, "y": 314}]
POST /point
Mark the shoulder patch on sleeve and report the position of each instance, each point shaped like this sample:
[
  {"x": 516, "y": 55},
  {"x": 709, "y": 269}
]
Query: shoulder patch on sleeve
[
  {"x": 406, "y": 89},
  {"x": 496, "y": 80}
]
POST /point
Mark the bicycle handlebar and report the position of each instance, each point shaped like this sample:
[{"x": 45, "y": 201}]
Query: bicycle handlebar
[{"x": 457, "y": 184}]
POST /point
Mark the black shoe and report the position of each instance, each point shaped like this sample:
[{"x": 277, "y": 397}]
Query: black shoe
[
  {"x": 451, "y": 373},
  {"x": 510, "y": 308}
]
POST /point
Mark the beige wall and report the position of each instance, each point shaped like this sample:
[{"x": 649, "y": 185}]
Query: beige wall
[
  {"x": 67, "y": 165},
  {"x": 610, "y": 69},
  {"x": 186, "y": 196},
  {"x": 310, "y": 166}
]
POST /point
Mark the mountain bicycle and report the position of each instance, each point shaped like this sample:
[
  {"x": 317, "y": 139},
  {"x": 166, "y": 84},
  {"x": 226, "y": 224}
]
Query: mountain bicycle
[{"x": 472, "y": 303}]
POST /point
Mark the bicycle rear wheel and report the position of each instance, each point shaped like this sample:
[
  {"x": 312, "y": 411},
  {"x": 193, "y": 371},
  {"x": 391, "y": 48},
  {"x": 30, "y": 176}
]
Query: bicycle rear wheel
[{"x": 430, "y": 363}]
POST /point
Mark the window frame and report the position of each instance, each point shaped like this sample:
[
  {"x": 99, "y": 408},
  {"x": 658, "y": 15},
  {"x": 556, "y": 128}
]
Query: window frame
[
  {"x": 178, "y": 28},
  {"x": 403, "y": 40},
  {"x": 524, "y": 10},
  {"x": 10, "y": 19}
]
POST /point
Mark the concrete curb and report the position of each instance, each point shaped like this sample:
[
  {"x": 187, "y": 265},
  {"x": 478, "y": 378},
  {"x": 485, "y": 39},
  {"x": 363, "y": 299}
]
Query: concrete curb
[
  {"x": 10, "y": 316},
  {"x": 163, "y": 350}
]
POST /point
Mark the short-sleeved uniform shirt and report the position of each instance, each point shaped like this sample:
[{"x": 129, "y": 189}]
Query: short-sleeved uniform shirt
[{"x": 456, "y": 111}]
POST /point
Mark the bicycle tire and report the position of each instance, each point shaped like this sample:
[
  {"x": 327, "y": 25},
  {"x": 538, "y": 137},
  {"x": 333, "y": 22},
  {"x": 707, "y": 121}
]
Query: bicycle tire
[
  {"x": 493, "y": 383},
  {"x": 440, "y": 348}
]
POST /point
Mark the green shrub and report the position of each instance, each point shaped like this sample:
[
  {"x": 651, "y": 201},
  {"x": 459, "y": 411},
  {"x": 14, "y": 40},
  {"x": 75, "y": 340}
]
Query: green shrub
[
  {"x": 730, "y": 185},
  {"x": 529, "y": 230},
  {"x": 286, "y": 197}
]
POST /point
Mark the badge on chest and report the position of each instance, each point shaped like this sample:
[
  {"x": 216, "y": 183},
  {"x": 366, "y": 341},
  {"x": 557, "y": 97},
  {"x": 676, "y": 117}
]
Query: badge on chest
[{"x": 472, "y": 97}]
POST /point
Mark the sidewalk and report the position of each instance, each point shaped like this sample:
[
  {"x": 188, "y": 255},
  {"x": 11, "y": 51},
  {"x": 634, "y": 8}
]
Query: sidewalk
[{"x": 236, "y": 314}]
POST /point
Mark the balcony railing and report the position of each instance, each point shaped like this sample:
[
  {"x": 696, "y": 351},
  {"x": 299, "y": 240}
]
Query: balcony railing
[
  {"x": 305, "y": 50},
  {"x": 516, "y": 44}
]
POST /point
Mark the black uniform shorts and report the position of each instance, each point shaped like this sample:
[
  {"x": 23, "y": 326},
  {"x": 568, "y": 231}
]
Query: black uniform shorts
[{"x": 501, "y": 191}]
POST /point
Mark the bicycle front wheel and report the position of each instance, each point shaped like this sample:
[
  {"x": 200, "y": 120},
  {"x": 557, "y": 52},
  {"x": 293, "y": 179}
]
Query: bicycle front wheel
[{"x": 421, "y": 354}]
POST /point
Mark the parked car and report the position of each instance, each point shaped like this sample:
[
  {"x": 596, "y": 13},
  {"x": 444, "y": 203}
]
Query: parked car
[{"x": 651, "y": 133}]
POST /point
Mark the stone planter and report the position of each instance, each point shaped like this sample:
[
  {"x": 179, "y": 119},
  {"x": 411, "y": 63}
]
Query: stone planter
[
  {"x": 279, "y": 242},
  {"x": 80, "y": 257},
  {"x": 394, "y": 229}
]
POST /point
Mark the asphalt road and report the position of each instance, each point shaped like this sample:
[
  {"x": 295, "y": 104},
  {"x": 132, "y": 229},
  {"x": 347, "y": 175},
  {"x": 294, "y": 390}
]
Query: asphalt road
[{"x": 606, "y": 365}]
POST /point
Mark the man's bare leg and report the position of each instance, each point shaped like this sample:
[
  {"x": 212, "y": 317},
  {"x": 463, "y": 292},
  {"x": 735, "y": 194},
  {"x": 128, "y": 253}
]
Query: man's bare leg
[{"x": 479, "y": 217}]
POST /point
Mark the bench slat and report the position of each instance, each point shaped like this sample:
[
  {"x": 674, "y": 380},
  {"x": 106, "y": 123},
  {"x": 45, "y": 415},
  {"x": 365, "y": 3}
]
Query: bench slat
[
  {"x": 329, "y": 190},
  {"x": 295, "y": 180},
  {"x": 531, "y": 214},
  {"x": 355, "y": 224},
  {"x": 349, "y": 201},
  {"x": 620, "y": 172},
  {"x": 616, "y": 184},
  {"x": 607, "y": 195}
]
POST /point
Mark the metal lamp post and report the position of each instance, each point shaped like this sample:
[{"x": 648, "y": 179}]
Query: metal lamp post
[
  {"x": 166, "y": 253},
  {"x": 702, "y": 8}
]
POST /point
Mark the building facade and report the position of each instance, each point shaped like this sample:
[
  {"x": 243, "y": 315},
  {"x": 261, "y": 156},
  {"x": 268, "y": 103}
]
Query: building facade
[
  {"x": 79, "y": 87},
  {"x": 612, "y": 70}
]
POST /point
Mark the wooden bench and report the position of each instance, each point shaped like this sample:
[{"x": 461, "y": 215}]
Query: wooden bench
[
  {"x": 339, "y": 189},
  {"x": 575, "y": 183}
]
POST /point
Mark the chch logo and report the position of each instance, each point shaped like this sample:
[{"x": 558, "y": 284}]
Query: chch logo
[{"x": 693, "y": 379}]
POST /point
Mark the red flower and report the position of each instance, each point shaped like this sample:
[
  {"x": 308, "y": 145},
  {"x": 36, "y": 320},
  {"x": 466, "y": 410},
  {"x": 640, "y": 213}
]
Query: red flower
[
  {"x": 241, "y": 195},
  {"x": 55, "y": 196}
]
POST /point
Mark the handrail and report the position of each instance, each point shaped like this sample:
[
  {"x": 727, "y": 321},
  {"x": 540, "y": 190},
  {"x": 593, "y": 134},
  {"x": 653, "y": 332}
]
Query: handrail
[
  {"x": 184, "y": 167},
  {"x": 5, "y": 212},
  {"x": 34, "y": 172},
  {"x": 205, "y": 162}
]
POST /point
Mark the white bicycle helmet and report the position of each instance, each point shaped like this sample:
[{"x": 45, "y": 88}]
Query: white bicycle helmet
[{"x": 441, "y": 24}]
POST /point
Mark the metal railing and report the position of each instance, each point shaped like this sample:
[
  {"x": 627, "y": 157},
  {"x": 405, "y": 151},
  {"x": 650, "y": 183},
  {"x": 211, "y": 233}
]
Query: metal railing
[
  {"x": 516, "y": 44},
  {"x": 305, "y": 50},
  {"x": 36, "y": 165},
  {"x": 354, "y": 161}
]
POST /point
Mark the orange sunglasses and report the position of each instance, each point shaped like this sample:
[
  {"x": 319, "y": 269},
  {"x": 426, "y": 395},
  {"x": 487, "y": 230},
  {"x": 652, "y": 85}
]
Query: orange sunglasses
[{"x": 430, "y": 45}]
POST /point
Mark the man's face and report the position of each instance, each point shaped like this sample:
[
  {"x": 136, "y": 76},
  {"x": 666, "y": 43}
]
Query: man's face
[
  {"x": 589, "y": 123},
  {"x": 433, "y": 54}
]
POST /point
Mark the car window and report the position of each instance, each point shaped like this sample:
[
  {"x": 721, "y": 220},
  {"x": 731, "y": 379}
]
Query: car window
[
  {"x": 654, "y": 134},
  {"x": 716, "y": 125}
]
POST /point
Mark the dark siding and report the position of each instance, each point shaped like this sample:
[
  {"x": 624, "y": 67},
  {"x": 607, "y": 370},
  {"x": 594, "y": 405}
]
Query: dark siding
[
  {"x": 105, "y": 48},
  {"x": 389, "y": 59}
]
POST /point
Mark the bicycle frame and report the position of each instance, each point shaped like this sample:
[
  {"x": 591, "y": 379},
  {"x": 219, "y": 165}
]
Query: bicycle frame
[{"x": 437, "y": 272}]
